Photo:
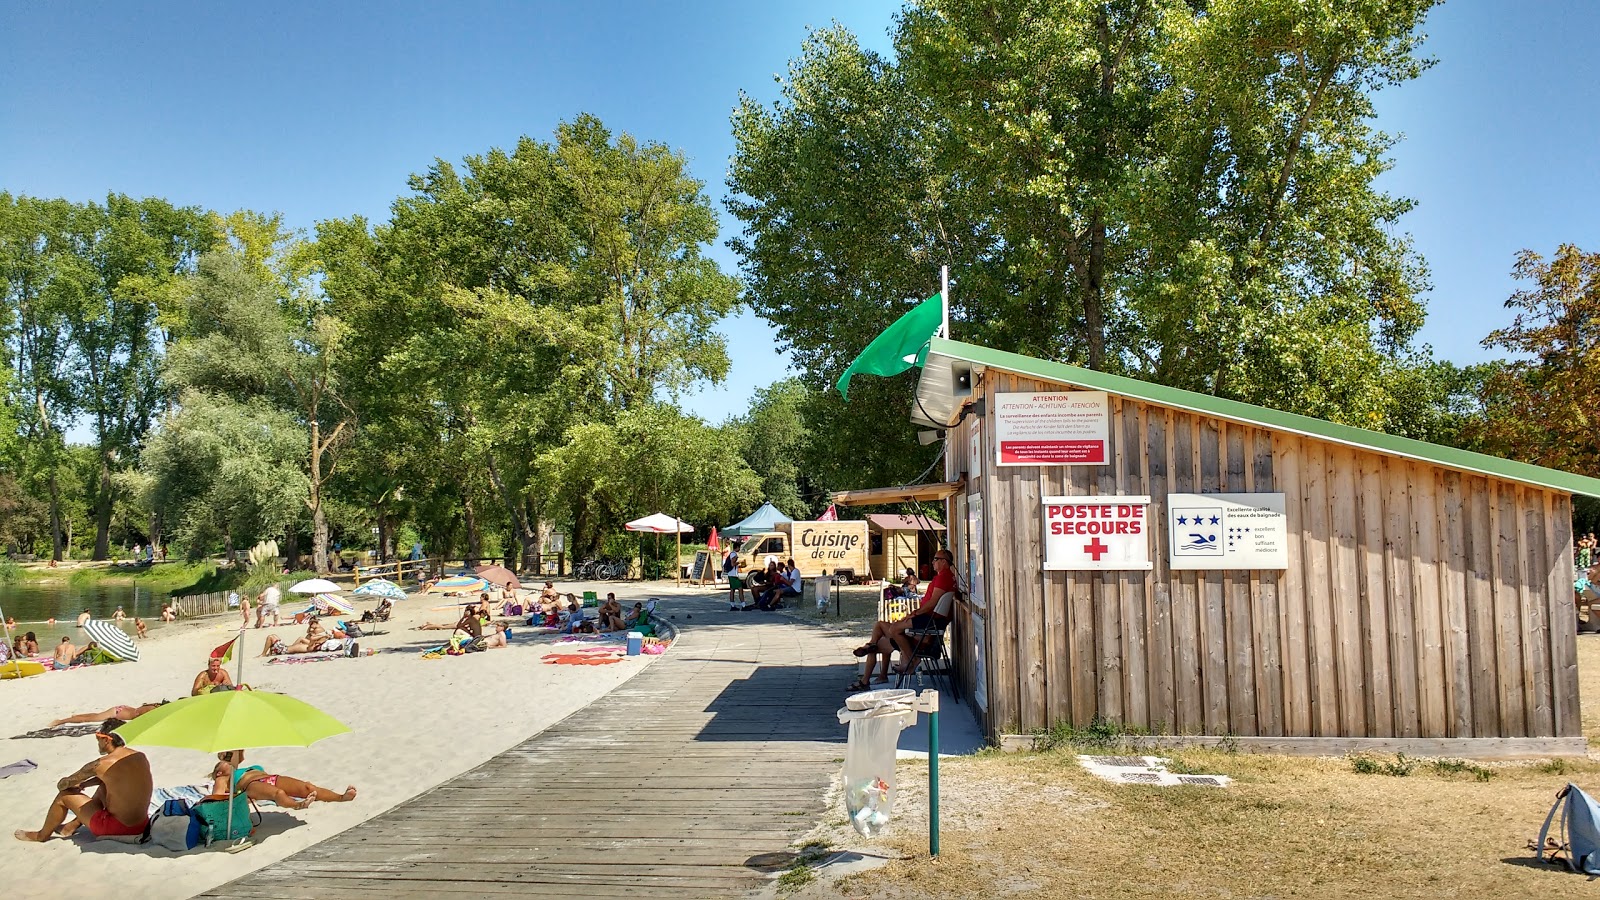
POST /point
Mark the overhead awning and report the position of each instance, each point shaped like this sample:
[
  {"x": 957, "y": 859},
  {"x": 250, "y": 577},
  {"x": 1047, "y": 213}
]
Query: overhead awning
[
  {"x": 899, "y": 494},
  {"x": 893, "y": 522}
]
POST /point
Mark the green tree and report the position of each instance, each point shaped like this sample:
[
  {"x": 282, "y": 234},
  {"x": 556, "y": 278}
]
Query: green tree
[
  {"x": 131, "y": 258},
  {"x": 227, "y": 472},
  {"x": 41, "y": 396},
  {"x": 651, "y": 459},
  {"x": 1539, "y": 406},
  {"x": 249, "y": 335},
  {"x": 1180, "y": 192},
  {"x": 774, "y": 436},
  {"x": 569, "y": 274}
]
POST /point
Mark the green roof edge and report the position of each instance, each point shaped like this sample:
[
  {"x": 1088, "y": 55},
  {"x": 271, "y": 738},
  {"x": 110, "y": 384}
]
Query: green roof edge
[{"x": 1377, "y": 441}]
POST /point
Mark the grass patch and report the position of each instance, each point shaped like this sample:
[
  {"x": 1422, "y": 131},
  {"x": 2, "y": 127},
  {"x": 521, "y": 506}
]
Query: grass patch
[
  {"x": 1363, "y": 764},
  {"x": 801, "y": 872},
  {"x": 176, "y": 578},
  {"x": 1099, "y": 735},
  {"x": 10, "y": 572}
]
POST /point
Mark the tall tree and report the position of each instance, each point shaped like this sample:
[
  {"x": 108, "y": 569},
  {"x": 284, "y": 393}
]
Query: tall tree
[
  {"x": 1177, "y": 191},
  {"x": 774, "y": 435},
  {"x": 132, "y": 258},
  {"x": 251, "y": 336},
  {"x": 34, "y": 243},
  {"x": 1540, "y": 405},
  {"x": 570, "y": 273}
]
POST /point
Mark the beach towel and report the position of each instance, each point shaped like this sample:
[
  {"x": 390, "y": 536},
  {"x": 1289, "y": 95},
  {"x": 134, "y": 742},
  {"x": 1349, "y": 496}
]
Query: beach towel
[
  {"x": 62, "y": 731},
  {"x": 579, "y": 659},
  {"x": 19, "y": 767},
  {"x": 188, "y": 793}
]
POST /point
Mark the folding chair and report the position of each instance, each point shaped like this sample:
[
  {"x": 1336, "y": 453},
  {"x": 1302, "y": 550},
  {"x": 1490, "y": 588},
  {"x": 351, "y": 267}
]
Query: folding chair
[{"x": 933, "y": 658}]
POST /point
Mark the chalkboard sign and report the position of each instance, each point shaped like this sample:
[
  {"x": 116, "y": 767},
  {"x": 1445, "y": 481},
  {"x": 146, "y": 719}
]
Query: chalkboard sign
[{"x": 701, "y": 570}]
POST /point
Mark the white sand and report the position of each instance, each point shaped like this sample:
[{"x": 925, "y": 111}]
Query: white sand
[{"x": 414, "y": 723}]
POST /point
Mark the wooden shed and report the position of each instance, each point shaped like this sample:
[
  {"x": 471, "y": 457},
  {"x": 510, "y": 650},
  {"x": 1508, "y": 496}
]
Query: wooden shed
[
  {"x": 901, "y": 542},
  {"x": 1402, "y": 596}
]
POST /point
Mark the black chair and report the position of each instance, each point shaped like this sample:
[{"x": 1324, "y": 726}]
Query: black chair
[{"x": 933, "y": 658}]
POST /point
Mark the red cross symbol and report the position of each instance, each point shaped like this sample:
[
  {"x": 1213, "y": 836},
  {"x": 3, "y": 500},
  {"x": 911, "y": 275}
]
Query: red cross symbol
[{"x": 1094, "y": 548}]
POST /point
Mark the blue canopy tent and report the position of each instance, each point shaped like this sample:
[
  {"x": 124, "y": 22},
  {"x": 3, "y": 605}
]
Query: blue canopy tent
[{"x": 764, "y": 519}]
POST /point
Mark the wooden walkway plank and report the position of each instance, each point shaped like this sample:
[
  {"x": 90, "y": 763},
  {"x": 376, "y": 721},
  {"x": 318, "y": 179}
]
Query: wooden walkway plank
[{"x": 685, "y": 781}]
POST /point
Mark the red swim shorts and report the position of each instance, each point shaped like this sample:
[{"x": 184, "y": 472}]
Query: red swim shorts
[{"x": 104, "y": 824}]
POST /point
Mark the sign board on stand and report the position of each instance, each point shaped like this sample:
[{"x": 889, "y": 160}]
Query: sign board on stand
[
  {"x": 1058, "y": 429},
  {"x": 701, "y": 569},
  {"x": 1228, "y": 531},
  {"x": 1106, "y": 533}
]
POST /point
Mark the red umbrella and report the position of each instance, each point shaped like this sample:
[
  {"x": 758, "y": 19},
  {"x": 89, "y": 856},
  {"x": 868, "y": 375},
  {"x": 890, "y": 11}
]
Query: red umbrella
[{"x": 711, "y": 542}]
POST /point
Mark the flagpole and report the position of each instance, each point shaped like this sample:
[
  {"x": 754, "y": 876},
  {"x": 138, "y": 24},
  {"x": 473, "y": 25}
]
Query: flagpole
[
  {"x": 238, "y": 647},
  {"x": 944, "y": 301}
]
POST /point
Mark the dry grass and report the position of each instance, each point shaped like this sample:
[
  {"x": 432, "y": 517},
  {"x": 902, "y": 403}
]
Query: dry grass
[{"x": 1037, "y": 825}]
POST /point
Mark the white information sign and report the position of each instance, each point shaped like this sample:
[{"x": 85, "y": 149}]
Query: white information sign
[
  {"x": 1096, "y": 533},
  {"x": 1064, "y": 429},
  {"x": 1228, "y": 531}
]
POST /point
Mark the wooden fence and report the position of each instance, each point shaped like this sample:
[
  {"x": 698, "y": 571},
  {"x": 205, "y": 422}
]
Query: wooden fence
[
  {"x": 395, "y": 571},
  {"x": 212, "y": 604}
]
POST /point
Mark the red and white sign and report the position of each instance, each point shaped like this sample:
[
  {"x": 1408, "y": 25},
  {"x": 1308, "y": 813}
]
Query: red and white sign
[
  {"x": 1096, "y": 533},
  {"x": 1062, "y": 429}
]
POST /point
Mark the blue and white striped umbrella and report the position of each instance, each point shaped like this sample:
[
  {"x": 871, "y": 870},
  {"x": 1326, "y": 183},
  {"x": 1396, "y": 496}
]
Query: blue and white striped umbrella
[
  {"x": 381, "y": 587},
  {"x": 113, "y": 640}
]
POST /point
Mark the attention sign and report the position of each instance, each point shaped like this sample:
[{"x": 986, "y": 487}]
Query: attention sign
[
  {"x": 1096, "y": 533},
  {"x": 1062, "y": 429},
  {"x": 1228, "y": 531}
]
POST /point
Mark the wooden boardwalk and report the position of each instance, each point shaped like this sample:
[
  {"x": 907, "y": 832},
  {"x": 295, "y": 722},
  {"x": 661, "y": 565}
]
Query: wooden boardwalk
[{"x": 692, "y": 779}]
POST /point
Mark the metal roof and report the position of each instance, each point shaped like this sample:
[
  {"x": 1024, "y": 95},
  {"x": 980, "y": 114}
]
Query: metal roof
[{"x": 952, "y": 367}]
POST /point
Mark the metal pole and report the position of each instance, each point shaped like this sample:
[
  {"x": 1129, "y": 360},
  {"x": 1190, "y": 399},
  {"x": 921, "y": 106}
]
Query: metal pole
[
  {"x": 944, "y": 301},
  {"x": 928, "y": 702}
]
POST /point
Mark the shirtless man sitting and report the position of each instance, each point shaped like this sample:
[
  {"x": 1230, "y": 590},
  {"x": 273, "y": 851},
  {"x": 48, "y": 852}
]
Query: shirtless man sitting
[{"x": 120, "y": 804}]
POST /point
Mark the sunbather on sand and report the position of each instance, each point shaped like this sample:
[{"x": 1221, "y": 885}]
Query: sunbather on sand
[
  {"x": 316, "y": 638},
  {"x": 254, "y": 782},
  {"x": 125, "y": 713}
]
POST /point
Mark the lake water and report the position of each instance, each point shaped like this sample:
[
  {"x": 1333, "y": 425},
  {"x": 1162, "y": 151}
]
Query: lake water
[{"x": 32, "y": 602}]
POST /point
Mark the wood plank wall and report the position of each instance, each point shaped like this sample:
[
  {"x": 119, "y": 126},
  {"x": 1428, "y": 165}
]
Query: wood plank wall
[{"x": 1419, "y": 601}]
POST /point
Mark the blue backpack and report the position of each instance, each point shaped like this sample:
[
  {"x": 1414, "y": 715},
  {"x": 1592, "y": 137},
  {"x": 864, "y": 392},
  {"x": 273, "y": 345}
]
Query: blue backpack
[{"x": 1580, "y": 828}]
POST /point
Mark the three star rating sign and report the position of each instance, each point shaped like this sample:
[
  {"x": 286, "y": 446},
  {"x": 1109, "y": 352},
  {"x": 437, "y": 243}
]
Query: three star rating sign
[{"x": 1227, "y": 531}]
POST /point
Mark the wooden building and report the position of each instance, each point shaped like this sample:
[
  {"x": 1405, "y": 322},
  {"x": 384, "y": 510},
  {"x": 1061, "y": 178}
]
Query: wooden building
[
  {"x": 900, "y": 542},
  {"x": 1422, "y": 599}
]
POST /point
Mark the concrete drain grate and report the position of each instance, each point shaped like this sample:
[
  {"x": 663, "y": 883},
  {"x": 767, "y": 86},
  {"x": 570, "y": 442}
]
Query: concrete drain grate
[{"x": 1150, "y": 770}]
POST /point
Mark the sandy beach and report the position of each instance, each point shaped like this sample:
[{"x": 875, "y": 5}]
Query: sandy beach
[{"x": 414, "y": 723}]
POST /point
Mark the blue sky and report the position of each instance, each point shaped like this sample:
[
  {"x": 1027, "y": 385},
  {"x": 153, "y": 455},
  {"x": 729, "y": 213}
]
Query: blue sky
[{"x": 322, "y": 110}]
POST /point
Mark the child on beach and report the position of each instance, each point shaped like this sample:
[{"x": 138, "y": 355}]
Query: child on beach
[{"x": 139, "y": 626}]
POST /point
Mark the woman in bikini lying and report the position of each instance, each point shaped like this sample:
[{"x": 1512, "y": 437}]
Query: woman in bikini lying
[
  {"x": 254, "y": 782},
  {"x": 125, "y": 713}
]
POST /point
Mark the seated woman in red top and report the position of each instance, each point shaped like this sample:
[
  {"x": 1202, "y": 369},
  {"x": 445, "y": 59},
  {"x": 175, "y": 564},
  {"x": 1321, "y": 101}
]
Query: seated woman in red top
[{"x": 890, "y": 636}]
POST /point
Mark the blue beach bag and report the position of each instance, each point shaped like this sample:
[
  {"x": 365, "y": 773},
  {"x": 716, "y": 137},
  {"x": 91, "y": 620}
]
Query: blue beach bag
[{"x": 1580, "y": 831}]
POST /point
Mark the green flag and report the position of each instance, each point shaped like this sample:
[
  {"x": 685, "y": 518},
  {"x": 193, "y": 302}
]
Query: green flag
[{"x": 901, "y": 346}]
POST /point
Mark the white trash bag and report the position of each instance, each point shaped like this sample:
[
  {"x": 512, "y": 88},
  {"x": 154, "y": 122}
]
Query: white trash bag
[{"x": 876, "y": 719}]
